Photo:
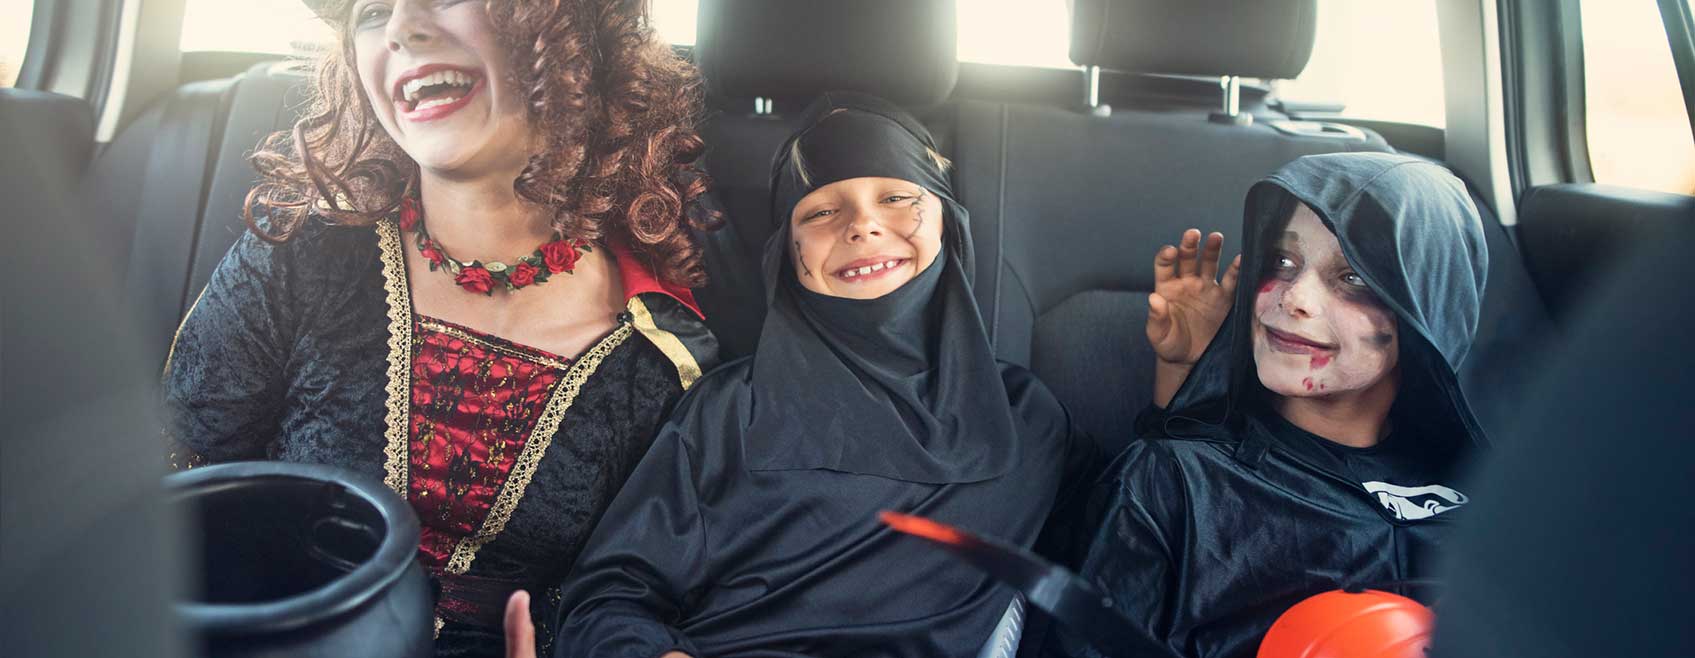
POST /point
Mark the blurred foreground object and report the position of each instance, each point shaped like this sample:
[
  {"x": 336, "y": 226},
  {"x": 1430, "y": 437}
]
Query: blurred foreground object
[
  {"x": 1049, "y": 587},
  {"x": 88, "y": 555},
  {"x": 303, "y": 560},
  {"x": 1581, "y": 538}
]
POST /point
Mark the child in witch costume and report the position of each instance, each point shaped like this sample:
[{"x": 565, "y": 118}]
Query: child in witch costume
[
  {"x": 1316, "y": 443},
  {"x": 751, "y": 528},
  {"x": 390, "y": 310}
]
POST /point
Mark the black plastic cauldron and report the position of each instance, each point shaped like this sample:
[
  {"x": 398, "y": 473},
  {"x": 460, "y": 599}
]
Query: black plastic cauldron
[{"x": 302, "y": 560}]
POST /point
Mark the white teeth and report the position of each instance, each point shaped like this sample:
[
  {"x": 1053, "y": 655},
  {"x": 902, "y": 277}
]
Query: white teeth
[
  {"x": 409, "y": 91},
  {"x": 433, "y": 102},
  {"x": 855, "y": 272}
]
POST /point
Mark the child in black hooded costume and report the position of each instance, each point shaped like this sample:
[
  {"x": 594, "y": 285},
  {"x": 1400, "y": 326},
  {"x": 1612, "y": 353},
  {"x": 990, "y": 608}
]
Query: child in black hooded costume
[
  {"x": 750, "y": 528},
  {"x": 1316, "y": 443}
]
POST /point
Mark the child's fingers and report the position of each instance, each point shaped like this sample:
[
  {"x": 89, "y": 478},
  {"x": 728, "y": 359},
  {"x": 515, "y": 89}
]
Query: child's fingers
[
  {"x": 1165, "y": 264},
  {"x": 1188, "y": 252},
  {"x": 1230, "y": 275},
  {"x": 1211, "y": 251},
  {"x": 1159, "y": 318}
]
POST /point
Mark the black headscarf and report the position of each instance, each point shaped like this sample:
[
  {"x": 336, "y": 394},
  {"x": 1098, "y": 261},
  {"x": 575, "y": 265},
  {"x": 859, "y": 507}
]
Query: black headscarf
[
  {"x": 1409, "y": 229},
  {"x": 904, "y": 386}
]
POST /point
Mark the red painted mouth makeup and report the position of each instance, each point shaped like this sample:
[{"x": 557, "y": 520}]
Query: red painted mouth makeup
[{"x": 1289, "y": 343}]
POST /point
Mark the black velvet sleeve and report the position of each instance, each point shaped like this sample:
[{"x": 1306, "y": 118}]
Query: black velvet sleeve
[
  {"x": 630, "y": 583},
  {"x": 224, "y": 379}
]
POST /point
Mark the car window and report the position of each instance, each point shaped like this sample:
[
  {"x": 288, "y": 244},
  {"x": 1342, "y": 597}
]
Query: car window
[
  {"x": 1015, "y": 32},
  {"x": 260, "y": 26},
  {"x": 286, "y": 26},
  {"x": 1636, "y": 125},
  {"x": 1374, "y": 73},
  {"x": 15, "y": 18},
  {"x": 1371, "y": 71}
]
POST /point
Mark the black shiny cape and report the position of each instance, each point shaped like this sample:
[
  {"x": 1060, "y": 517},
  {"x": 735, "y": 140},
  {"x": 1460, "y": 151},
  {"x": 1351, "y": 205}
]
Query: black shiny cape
[
  {"x": 751, "y": 527},
  {"x": 302, "y": 352},
  {"x": 1213, "y": 526}
]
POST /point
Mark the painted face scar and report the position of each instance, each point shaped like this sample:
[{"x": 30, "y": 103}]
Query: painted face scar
[
  {"x": 1307, "y": 383},
  {"x": 918, "y": 207},
  {"x": 1267, "y": 286},
  {"x": 1319, "y": 361},
  {"x": 798, "y": 259}
]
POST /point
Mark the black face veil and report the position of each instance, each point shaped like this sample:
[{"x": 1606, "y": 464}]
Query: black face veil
[{"x": 904, "y": 386}]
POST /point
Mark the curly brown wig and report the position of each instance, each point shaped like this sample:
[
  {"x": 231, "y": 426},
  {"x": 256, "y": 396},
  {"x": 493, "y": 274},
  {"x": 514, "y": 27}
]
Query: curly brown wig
[{"x": 615, "y": 107}]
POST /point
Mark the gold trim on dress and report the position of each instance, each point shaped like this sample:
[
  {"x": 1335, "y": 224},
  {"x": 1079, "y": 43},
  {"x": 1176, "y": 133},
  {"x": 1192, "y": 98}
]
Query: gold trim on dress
[
  {"x": 397, "y": 422},
  {"x": 535, "y": 356},
  {"x": 688, "y": 369},
  {"x": 541, "y": 437},
  {"x": 166, "y": 371}
]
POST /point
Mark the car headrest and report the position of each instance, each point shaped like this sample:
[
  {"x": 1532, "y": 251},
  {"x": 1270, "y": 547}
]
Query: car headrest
[
  {"x": 53, "y": 132},
  {"x": 1255, "y": 39},
  {"x": 901, "y": 50}
]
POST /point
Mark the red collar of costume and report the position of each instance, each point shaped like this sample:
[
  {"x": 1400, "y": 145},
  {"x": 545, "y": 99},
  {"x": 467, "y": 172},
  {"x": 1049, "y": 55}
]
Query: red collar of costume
[{"x": 639, "y": 280}]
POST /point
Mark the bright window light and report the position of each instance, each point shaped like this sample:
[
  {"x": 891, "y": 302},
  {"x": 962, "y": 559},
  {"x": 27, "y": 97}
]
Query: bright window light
[
  {"x": 1387, "y": 74},
  {"x": 1393, "y": 75},
  {"x": 15, "y": 18},
  {"x": 1015, "y": 32},
  {"x": 1637, "y": 127},
  {"x": 674, "y": 20},
  {"x": 258, "y": 26}
]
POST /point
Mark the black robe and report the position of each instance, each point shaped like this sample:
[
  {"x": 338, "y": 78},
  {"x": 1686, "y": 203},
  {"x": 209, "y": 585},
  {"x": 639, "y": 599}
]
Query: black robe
[
  {"x": 301, "y": 352},
  {"x": 751, "y": 527},
  {"x": 1218, "y": 522}
]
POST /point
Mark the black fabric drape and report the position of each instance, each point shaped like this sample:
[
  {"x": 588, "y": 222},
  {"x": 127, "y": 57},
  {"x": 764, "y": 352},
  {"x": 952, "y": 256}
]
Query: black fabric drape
[
  {"x": 750, "y": 529},
  {"x": 1219, "y": 521},
  {"x": 873, "y": 401}
]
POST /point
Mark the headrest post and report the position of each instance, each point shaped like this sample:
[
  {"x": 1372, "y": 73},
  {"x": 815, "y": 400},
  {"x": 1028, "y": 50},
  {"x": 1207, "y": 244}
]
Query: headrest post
[
  {"x": 762, "y": 105},
  {"x": 1092, "y": 92},
  {"x": 1231, "y": 86},
  {"x": 1094, "y": 86}
]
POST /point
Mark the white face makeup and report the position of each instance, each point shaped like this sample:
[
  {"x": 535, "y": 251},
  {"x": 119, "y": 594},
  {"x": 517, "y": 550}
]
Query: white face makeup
[
  {"x": 1318, "y": 330},
  {"x": 862, "y": 238},
  {"x": 435, "y": 74}
]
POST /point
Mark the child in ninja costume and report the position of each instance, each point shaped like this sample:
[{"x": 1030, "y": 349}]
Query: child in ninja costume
[{"x": 1315, "y": 443}]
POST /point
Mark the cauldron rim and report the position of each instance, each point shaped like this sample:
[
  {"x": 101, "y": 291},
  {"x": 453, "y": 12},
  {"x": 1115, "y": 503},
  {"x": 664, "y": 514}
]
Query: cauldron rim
[{"x": 365, "y": 582}]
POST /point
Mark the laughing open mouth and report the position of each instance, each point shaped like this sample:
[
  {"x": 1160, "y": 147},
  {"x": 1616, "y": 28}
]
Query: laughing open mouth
[{"x": 434, "y": 87}]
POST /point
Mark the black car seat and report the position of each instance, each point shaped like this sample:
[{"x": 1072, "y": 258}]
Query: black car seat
[{"x": 1070, "y": 201}]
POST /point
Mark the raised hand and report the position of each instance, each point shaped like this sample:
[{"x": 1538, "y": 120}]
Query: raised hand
[{"x": 1187, "y": 306}]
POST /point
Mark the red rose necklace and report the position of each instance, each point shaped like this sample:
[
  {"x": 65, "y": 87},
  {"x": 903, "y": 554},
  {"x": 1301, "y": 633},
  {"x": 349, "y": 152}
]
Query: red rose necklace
[{"x": 549, "y": 259}]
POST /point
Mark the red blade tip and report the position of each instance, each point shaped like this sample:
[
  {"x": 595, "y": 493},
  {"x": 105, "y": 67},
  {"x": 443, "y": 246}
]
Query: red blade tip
[{"x": 922, "y": 527}]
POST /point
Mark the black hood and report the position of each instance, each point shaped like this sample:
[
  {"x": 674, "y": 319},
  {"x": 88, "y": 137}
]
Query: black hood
[
  {"x": 1409, "y": 229},
  {"x": 904, "y": 386}
]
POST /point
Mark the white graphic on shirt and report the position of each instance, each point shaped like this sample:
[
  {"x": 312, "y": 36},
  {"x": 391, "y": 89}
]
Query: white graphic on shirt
[{"x": 1416, "y": 503}]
